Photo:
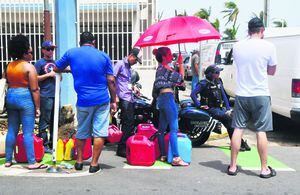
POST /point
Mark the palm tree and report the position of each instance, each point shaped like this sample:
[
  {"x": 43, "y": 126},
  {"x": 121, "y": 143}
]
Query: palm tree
[
  {"x": 231, "y": 12},
  {"x": 280, "y": 23},
  {"x": 205, "y": 14}
]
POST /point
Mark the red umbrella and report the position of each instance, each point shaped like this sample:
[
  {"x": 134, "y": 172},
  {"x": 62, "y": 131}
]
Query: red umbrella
[{"x": 179, "y": 29}]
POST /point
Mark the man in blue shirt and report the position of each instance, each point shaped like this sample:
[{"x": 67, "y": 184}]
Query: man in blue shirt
[
  {"x": 94, "y": 84},
  {"x": 122, "y": 73},
  {"x": 46, "y": 77}
]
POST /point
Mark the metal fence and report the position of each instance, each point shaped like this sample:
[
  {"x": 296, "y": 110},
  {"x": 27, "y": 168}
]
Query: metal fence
[
  {"x": 117, "y": 24},
  {"x": 23, "y": 17}
]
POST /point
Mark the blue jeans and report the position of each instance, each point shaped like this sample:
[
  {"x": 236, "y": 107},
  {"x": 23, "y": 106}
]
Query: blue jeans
[
  {"x": 20, "y": 110},
  {"x": 46, "y": 120},
  {"x": 168, "y": 115},
  {"x": 195, "y": 80}
]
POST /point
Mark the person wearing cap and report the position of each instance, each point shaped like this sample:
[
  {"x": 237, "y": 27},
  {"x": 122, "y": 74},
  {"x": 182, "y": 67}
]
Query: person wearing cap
[
  {"x": 46, "y": 77},
  {"x": 255, "y": 59},
  {"x": 214, "y": 100},
  {"x": 94, "y": 84},
  {"x": 122, "y": 73},
  {"x": 195, "y": 63}
]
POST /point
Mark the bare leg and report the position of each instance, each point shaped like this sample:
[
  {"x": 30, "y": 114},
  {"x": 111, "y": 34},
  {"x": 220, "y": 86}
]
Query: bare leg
[
  {"x": 79, "y": 146},
  {"x": 97, "y": 149},
  {"x": 235, "y": 147},
  {"x": 262, "y": 146}
]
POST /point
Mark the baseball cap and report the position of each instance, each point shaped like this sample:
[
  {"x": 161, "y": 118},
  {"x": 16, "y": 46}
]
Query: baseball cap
[
  {"x": 137, "y": 53},
  {"x": 48, "y": 44},
  {"x": 255, "y": 23},
  {"x": 212, "y": 69}
]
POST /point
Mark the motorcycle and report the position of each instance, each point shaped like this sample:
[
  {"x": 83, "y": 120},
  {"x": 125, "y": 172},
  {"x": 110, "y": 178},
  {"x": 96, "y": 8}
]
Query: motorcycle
[{"x": 194, "y": 122}]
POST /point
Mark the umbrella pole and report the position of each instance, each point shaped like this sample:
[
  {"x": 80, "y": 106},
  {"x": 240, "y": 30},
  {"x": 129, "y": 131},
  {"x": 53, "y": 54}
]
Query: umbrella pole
[{"x": 54, "y": 168}]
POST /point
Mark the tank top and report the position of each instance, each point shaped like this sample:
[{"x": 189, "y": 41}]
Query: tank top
[{"x": 16, "y": 75}]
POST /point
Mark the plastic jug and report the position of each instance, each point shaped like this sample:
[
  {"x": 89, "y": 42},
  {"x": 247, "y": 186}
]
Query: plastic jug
[
  {"x": 60, "y": 150},
  {"x": 20, "y": 151},
  {"x": 140, "y": 151},
  {"x": 68, "y": 149},
  {"x": 87, "y": 149},
  {"x": 148, "y": 130},
  {"x": 114, "y": 134},
  {"x": 184, "y": 148}
]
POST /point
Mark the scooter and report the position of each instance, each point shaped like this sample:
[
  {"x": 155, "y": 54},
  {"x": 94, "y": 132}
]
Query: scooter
[{"x": 194, "y": 122}]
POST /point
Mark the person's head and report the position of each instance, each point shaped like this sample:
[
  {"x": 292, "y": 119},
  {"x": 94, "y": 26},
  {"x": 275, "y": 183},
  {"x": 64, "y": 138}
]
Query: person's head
[
  {"x": 87, "y": 38},
  {"x": 134, "y": 56},
  {"x": 256, "y": 26},
  {"x": 195, "y": 52},
  {"x": 47, "y": 49},
  {"x": 163, "y": 55},
  {"x": 19, "y": 48},
  {"x": 212, "y": 72}
]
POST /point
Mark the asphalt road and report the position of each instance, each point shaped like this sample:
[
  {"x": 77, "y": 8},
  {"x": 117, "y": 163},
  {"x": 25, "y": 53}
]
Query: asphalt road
[{"x": 205, "y": 175}]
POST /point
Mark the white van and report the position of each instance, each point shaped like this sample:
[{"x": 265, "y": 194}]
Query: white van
[{"x": 285, "y": 84}]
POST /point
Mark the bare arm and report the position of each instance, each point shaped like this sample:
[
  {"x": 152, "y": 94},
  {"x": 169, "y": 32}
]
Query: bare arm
[
  {"x": 34, "y": 87},
  {"x": 180, "y": 65},
  {"x": 196, "y": 69},
  {"x": 45, "y": 76},
  {"x": 271, "y": 70},
  {"x": 112, "y": 90}
]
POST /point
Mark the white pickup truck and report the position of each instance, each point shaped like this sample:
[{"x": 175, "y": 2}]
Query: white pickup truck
[{"x": 285, "y": 84}]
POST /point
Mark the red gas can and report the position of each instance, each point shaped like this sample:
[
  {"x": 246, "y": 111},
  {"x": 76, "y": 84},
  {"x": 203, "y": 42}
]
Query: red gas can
[
  {"x": 114, "y": 134},
  {"x": 20, "y": 151},
  {"x": 149, "y": 130},
  {"x": 140, "y": 151},
  {"x": 87, "y": 149}
]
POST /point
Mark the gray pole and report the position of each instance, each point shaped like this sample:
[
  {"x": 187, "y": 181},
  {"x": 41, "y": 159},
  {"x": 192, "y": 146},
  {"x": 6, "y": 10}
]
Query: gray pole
[{"x": 266, "y": 12}]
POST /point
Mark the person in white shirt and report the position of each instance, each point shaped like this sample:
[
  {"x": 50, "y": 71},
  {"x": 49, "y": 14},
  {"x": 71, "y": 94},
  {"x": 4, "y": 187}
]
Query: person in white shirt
[{"x": 255, "y": 59}]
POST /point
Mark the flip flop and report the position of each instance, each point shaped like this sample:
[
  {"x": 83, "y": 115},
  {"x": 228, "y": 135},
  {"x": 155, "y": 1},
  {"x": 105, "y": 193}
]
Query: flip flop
[
  {"x": 271, "y": 174},
  {"x": 41, "y": 166},
  {"x": 8, "y": 164},
  {"x": 233, "y": 173}
]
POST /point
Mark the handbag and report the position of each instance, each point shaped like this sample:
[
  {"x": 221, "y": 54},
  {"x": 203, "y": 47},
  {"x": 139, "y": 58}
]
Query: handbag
[{"x": 3, "y": 89}]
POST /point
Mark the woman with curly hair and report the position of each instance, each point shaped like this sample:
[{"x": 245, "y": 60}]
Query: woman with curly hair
[
  {"x": 22, "y": 99},
  {"x": 165, "y": 80}
]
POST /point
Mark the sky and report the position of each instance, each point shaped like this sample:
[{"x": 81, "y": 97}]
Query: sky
[{"x": 287, "y": 10}]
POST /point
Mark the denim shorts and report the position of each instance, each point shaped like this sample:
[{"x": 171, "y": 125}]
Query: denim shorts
[
  {"x": 93, "y": 121},
  {"x": 253, "y": 113}
]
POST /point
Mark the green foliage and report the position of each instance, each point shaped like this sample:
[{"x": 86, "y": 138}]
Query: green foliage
[
  {"x": 231, "y": 13},
  {"x": 280, "y": 24},
  {"x": 203, "y": 13}
]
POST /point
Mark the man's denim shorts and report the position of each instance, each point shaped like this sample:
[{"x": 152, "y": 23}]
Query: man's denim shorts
[
  {"x": 93, "y": 121},
  {"x": 253, "y": 113}
]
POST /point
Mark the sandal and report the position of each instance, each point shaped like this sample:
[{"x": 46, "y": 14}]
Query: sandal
[
  {"x": 163, "y": 159},
  {"x": 40, "y": 166},
  {"x": 8, "y": 164},
  {"x": 177, "y": 161},
  {"x": 271, "y": 174},
  {"x": 233, "y": 173}
]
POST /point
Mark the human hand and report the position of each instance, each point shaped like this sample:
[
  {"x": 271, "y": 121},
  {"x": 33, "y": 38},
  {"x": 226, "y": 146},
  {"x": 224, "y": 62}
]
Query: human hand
[
  {"x": 37, "y": 113},
  {"x": 179, "y": 59},
  {"x": 204, "y": 107},
  {"x": 52, "y": 74},
  {"x": 113, "y": 108}
]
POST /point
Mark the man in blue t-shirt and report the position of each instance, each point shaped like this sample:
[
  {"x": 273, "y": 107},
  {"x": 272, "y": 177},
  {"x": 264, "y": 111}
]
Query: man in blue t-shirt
[
  {"x": 94, "y": 84},
  {"x": 46, "y": 77}
]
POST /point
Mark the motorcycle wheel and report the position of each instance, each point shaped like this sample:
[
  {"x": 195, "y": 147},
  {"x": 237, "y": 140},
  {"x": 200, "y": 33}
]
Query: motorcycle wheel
[{"x": 199, "y": 140}]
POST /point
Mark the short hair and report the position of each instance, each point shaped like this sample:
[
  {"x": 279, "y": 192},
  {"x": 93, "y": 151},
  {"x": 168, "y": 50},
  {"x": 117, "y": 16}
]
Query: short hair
[
  {"x": 255, "y": 25},
  {"x": 86, "y": 37},
  {"x": 160, "y": 52},
  {"x": 18, "y": 46}
]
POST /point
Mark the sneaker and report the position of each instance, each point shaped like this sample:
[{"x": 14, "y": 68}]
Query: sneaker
[
  {"x": 244, "y": 146},
  {"x": 163, "y": 158},
  {"x": 218, "y": 128},
  {"x": 47, "y": 150},
  {"x": 94, "y": 169}
]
